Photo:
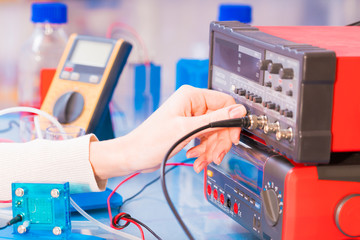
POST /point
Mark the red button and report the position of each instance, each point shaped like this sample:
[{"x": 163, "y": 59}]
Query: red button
[
  {"x": 222, "y": 199},
  {"x": 215, "y": 194},
  {"x": 236, "y": 209},
  {"x": 209, "y": 190},
  {"x": 68, "y": 69}
]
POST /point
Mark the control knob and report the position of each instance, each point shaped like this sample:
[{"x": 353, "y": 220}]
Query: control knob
[
  {"x": 263, "y": 64},
  {"x": 286, "y": 73},
  {"x": 68, "y": 107},
  {"x": 274, "y": 67},
  {"x": 271, "y": 206}
]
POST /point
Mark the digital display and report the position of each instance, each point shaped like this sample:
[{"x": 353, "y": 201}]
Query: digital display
[
  {"x": 244, "y": 164},
  {"x": 236, "y": 59},
  {"x": 91, "y": 53}
]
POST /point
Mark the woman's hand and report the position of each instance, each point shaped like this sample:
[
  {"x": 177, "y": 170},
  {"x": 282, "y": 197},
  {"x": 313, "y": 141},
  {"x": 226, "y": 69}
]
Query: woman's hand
[{"x": 145, "y": 147}]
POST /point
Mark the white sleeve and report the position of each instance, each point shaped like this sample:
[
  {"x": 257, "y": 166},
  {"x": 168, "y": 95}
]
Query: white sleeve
[{"x": 50, "y": 162}]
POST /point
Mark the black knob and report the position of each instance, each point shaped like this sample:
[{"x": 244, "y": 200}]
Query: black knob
[
  {"x": 257, "y": 99},
  {"x": 68, "y": 107},
  {"x": 268, "y": 84},
  {"x": 271, "y": 206},
  {"x": 278, "y": 88},
  {"x": 242, "y": 92},
  {"x": 271, "y": 105},
  {"x": 263, "y": 64},
  {"x": 289, "y": 93},
  {"x": 288, "y": 113},
  {"x": 286, "y": 73},
  {"x": 274, "y": 67}
]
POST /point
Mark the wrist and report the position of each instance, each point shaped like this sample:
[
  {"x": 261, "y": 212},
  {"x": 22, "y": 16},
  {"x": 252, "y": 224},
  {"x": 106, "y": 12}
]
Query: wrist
[{"x": 111, "y": 158}]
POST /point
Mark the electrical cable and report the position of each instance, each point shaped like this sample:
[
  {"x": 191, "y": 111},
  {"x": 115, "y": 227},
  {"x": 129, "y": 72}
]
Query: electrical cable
[
  {"x": 126, "y": 217},
  {"x": 354, "y": 24},
  {"x": 16, "y": 219},
  {"x": 10, "y": 126},
  {"x": 114, "y": 221},
  {"x": 152, "y": 182},
  {"x": 245, "y": 122}
]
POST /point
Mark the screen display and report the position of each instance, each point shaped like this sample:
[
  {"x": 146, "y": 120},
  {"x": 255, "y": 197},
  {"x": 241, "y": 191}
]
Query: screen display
[
  {"x": 91, "y": 53},
  {"x": 244, "y": 163},
  {"x": 236, "y": 59}
]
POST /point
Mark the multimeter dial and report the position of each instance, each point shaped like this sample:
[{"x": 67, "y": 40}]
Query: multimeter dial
[
  {"x": 272, "y": 202},
  {"x": 68, "y": 107}
]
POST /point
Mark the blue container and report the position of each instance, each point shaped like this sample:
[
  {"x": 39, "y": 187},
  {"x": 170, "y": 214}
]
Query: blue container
[{"x": 235, "y": 12}]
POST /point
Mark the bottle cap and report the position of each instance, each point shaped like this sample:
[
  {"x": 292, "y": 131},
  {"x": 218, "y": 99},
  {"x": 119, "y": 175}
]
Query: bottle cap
[
  {"x": 235, "y": 12},
  {"x": 49, "y": 13}
]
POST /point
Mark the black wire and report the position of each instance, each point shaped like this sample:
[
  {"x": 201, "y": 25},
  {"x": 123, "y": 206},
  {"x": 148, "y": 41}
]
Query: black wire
[
  {"x": 125, "y": 216},
  {"x": 150, "y": 183},
  {"x": 354, "y": 24},
  {"x": 238, "y": 122},
  {"x": 16, "y": 219},
  {"x": 1, "y": 228},
  {"x": 10, "y": 126}
]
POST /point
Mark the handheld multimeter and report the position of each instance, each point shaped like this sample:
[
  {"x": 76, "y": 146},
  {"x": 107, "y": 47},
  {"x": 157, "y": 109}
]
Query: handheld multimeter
[{"x": 85, "y": 79}]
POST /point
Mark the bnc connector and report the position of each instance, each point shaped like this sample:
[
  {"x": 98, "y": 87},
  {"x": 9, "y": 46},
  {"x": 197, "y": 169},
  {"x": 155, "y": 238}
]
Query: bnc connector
[
  {"x": 257, "y": 121},
  {"x": 271, "y": 127}
]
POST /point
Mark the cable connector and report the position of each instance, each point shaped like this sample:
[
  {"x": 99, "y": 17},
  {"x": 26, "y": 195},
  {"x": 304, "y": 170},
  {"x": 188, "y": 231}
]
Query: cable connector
[
  {"x": 257, "y": 122},
  {"x": 16, "y": 219}
]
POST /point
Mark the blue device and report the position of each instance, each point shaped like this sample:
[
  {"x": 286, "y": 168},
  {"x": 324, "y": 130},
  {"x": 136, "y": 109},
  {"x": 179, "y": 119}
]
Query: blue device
[{"x": 44, "y": 207}]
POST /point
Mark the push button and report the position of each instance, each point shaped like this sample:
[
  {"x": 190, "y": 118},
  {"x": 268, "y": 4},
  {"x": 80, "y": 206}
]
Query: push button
[
  {"x": 94, "y": 79},
  {"x": 75, "y": 76},
  {"x": 65, "y": 75},
  {"x": 268, "y": 84},
  {"x": 278, "y": 88}
]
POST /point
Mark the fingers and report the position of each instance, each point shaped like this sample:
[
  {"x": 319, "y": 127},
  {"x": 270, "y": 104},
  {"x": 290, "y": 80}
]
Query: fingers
[
  {"x": 200, "y": 101},
  {"x": 213, "y": 149}
]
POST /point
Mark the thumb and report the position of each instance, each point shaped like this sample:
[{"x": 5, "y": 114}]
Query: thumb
[{"x": 233, "y": 111}]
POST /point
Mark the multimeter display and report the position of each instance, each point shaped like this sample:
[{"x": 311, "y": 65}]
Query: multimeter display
[{"x": 91, "y": 53}]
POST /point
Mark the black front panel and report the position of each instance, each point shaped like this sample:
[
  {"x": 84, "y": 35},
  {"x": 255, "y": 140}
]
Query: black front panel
[
  {"x": 236, "y": 186},
  {"x": 290, "y": 83}
]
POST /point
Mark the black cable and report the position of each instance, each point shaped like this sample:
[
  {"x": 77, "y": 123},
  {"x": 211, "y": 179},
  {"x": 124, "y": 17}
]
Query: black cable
[
  {"x": 244, "y": 122},
  {"x": 124, "y": 216},
  {"x": 354, "y": 24},
  {"x": 1, "y": 228},
  {"x": 16, "y": 219},
  {"x": 10, "y": 126},
  {"x": 150, "y": 183}
]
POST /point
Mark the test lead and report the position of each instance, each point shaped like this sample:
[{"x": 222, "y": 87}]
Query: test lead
[{"x": 249, "y": 122}]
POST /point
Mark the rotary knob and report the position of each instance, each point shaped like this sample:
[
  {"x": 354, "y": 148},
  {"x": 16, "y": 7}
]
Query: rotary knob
[
  {"x": 68, "y": 107},
  {"x": 271, "y": 206},
  {"x": 263, "y": 64},
  {"x": 286, "y": 73},
  {"x": 274, "y": 68},
  {"x": 347, "y": 215}
]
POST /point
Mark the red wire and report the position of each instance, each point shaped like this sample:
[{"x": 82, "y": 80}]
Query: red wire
[
  {"x": 125, "y": 180},
  {"x": 112, "y": 193},
  {"x": 5, "y": 201},
  {"x": 129, "y": 220},
  {"x": 133, "y": 32}
]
